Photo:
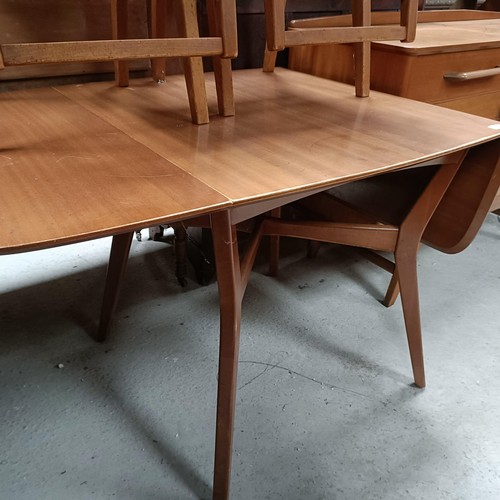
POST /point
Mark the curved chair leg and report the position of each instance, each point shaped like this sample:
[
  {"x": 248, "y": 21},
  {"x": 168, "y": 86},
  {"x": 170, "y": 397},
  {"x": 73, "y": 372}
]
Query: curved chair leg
[
  {"x": 120, "y": 248},
  {"x": 406, "y": 263}
]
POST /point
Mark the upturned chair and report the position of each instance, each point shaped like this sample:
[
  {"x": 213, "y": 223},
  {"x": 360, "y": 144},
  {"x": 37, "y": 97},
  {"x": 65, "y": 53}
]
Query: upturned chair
[
  {"x": 222, "y": 24},
  {"x": 442, "y": 206},
  {"x": 222, "y": 27},
  {"x": 357, "y": 30}
]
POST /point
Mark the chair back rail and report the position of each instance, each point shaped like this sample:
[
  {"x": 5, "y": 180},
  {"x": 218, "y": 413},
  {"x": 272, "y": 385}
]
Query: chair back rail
[
  {"x": 360, "y": 31},
  {"x": 17, "y": 54}
]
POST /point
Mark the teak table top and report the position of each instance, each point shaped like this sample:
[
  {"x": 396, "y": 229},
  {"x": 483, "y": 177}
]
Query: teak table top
[
  {"x": 292, "y": 132},
  {"x": 66, "y": 175}
]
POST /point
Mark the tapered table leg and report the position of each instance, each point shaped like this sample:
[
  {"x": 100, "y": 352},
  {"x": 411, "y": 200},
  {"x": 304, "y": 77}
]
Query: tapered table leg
[
  {"x": 230, "y": 292},
  {"x": 120, "y": 248}
]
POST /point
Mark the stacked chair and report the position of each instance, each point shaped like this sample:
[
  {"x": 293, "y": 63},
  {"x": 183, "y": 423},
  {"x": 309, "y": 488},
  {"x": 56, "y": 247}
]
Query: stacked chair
[
  {"x": 358, "y": 30},
  {"x": 222, "y": 27}
]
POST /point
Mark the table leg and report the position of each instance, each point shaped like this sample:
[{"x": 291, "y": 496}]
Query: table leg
[
  {"x": 118, "y": 258},
  {"x": 230, "y": 294}
]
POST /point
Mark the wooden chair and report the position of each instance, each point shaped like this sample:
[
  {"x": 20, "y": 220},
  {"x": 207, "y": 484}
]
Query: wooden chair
[
  {"x": 444, "y": 205},
  {"x": 358, "y": 30},
  {"x": 222, "y": 25}
]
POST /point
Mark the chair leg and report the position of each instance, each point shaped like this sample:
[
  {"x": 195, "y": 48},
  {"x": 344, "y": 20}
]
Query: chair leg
[
  {"x": 361, "y": 16},
  {"x": 313, "y": 249},
  {"x": 406, "y": 264},
  {"x": 158, "y": 30},
  {"x": 275, "y": 31},
  {"x": 119, "y": 20},
  {"x": 222, "y": 68},
  {"x": 392, "y": 290},
  {"x": 269, "y": 60},
  {"x": 118, "y": 258},
  {"x": 193, "y": 66}
]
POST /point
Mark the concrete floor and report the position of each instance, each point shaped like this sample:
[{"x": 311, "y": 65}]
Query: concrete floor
[{"x": 325, "y": 407}]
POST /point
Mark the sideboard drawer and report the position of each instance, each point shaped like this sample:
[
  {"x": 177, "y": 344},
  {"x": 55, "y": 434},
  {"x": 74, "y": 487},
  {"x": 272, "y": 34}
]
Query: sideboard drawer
[{"x": 422, "y": 77}]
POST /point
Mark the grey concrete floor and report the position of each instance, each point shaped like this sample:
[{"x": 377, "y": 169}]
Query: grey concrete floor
[{"x": 325, "y": 407}]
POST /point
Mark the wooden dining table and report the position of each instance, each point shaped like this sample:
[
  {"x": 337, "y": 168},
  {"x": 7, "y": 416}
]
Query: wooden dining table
[{"x": 84, "y": 161}]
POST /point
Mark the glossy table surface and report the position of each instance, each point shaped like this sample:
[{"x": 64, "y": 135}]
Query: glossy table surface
[
  {"x": 66, "y": 175},
  {"x": 83, "y": 161},
  {"x": 292, "y": 132}
]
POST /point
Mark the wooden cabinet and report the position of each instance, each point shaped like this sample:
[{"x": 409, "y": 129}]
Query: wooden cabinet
[{"x": 454, "y": 62}]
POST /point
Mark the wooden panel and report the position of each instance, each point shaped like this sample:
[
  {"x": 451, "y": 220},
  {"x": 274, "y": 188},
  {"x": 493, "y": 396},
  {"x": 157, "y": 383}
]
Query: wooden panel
[{"x": 62, "y": 20}]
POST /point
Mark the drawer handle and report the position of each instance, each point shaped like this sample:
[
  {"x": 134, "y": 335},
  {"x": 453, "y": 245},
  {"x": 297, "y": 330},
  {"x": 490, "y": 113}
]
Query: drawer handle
[{"x": 465, "y": 76}]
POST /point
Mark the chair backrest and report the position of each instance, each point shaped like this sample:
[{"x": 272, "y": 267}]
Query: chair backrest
[
  {"x": 360, "y": 28},
  {"x": 467, "y": 201},
  {"x": 225, "y": 45},
  {"x": 221, "y": 44},
  {"x": 184, "y": 15},
  {"x": 360, "y": 32}
]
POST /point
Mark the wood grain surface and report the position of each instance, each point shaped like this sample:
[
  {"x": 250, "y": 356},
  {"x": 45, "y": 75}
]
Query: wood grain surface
[
  {"x": 292, "y": 132},
  {"x": 66, "y": 175}
]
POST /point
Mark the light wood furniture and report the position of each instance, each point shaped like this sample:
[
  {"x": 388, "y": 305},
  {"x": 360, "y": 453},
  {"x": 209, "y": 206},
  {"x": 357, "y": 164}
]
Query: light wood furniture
[
  {"x": 360, "y": 32},
  {"x": 453, "y": 61},
  {"x": 251, "y": 160}
]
